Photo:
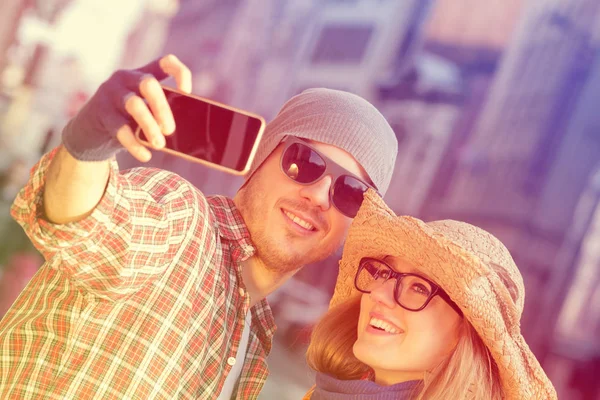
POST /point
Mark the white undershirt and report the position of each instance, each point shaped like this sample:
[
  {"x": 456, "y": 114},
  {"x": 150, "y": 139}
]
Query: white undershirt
[{"x": 234, "y": 374}]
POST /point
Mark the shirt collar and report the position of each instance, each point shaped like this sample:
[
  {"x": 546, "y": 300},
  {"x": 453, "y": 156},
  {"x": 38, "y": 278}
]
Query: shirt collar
[
  {"x": 229, "y": 221},
  {"x": 231, "y": 227}
]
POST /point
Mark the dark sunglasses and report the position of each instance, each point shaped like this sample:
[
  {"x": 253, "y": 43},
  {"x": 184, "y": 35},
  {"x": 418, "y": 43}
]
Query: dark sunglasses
[{"x": 305, "y": 165}]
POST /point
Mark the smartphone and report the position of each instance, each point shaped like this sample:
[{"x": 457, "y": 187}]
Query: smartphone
[{"x": 211, "y": 133}]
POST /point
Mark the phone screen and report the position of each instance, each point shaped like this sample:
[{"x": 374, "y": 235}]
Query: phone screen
[{"x": 211, "y": 132}]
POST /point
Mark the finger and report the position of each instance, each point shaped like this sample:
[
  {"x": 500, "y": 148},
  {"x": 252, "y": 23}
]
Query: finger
[
  {"x": 154, "y": 68},
  {"x": 178, "y": 70},
  {"x": 137, "y": 108},
  {"x": 154, "y": 95},
  {"x": 126, "y": 137}
]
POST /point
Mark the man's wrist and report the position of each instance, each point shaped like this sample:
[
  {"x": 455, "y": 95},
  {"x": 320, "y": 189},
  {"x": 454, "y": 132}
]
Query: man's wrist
[{"x": 89, "y": 146}]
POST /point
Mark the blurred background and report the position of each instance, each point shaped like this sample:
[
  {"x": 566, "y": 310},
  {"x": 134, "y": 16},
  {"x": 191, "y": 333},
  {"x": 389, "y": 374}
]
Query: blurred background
[{"x": 495, "y": 105}]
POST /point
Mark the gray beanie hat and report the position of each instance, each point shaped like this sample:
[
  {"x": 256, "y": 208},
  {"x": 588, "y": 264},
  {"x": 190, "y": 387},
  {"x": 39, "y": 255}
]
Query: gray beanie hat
[{"x": 340, "y": 119}]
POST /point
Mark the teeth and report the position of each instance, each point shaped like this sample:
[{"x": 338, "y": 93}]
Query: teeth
[
  {"x": 378, "y": 323},
  {"x": 299, "y": 221}
]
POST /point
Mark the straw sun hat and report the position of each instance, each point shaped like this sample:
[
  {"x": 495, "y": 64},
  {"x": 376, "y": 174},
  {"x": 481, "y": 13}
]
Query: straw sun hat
[{"x": 459, "y": 258}]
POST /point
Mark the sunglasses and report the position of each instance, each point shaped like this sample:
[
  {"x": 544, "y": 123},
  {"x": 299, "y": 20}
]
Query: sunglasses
[{"x": 305, "y": 165}]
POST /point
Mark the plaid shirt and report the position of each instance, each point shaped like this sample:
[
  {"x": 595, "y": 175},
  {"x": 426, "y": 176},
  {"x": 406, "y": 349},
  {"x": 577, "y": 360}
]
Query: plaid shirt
[{"x": 143, "y": 299}]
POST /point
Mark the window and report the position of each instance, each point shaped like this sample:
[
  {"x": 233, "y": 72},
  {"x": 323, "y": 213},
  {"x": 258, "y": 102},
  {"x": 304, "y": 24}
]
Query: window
[
  {"x": 343, "y": 1},
  {"x": 342, "y": 44}
]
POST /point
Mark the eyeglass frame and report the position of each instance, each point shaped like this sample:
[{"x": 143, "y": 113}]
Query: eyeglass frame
[
  {"x": 331, "y": 168},
  {"x": 436, "y": 289}
]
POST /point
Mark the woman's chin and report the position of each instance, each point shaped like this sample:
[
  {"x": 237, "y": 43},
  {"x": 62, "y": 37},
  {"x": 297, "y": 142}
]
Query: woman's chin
[{"x": 367, "y": 353}]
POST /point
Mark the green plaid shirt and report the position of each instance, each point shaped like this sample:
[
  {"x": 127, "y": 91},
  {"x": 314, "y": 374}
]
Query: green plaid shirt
[{"x": 143, "y": 299}]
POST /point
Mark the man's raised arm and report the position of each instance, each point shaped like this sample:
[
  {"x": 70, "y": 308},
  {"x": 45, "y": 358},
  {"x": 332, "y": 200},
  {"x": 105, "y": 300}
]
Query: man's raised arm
[{"x": 78, "y": 174}]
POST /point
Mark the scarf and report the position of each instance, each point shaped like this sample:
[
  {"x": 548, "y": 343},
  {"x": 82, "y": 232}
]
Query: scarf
[{"x": 330, "y": 388}]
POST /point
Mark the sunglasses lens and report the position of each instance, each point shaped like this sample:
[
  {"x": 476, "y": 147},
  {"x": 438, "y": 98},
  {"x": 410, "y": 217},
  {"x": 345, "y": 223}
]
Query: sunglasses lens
[
  {"x": 348, "y": 194},
  {"x": 302, "y": 164}
]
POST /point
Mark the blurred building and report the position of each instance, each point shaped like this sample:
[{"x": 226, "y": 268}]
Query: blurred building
[
  {"x": 11, "y": 12},
  {"x": 22, "y": 67},
  {"x": 198, "y": 34},
  {"x": 351, "y": 45},
  {"x": 521, "y": 171},
  {"x": 147, "y": 39},
  {"x": 572, "y": 356},
  {"x": 269, "y": 51},
  {"x": 423, "y": 107},
  {"x": 474, "y": 23},
  {"x": 256, "y": 55},
  {"x": 373, "y": 50},
  {"x": 569, "y": 337}
]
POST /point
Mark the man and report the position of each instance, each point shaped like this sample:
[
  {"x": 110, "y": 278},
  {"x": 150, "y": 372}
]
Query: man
[{"x": 152, "y": 290}]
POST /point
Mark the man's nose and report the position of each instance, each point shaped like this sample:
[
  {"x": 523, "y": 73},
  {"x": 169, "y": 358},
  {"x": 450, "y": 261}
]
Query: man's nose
[{"x": 318, "y": 192}]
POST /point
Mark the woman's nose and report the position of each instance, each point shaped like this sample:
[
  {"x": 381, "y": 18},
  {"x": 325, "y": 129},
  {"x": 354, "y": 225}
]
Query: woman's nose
[{"x": 384, "y": 293}]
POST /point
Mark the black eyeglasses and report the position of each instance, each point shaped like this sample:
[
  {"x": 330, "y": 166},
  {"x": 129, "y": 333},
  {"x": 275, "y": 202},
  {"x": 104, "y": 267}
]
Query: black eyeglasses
[
  {"x": 412, "y": 291},
  {"x": 305, "y": 165}
]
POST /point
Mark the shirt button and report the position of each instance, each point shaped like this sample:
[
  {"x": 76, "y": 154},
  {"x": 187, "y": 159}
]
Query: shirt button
[
  {"x": 242, "y": 292},
  {"x": 231, "y": 361}
]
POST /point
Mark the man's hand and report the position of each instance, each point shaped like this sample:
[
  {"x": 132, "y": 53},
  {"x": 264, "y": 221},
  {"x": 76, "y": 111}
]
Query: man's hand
[
  {"x": 127, "y": 99},
  {"x": 75, "y": 186}
]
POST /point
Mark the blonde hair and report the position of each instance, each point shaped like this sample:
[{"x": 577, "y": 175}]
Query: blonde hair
[{"x": 469, "y": 372}]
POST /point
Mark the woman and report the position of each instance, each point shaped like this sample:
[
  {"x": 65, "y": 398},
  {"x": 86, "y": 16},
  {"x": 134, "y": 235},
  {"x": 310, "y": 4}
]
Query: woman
[{"x": 423, "y": 311}]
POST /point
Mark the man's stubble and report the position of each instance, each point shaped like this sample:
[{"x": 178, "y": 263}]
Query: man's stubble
[{"x": 277, "y": 254}]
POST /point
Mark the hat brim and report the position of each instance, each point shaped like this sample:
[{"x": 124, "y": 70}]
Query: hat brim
[{"x": 471, "y": 283}]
